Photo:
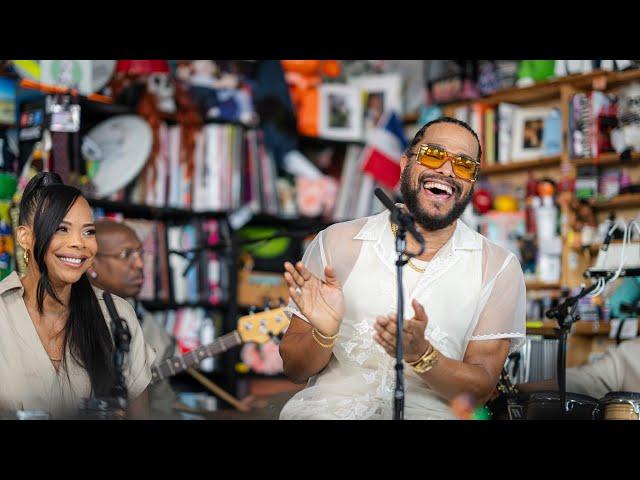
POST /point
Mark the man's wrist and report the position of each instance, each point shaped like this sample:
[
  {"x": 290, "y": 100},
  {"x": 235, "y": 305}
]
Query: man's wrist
[
  {"x": 326, "y": 332},
  {"x": 422, "y": 352},
  {"x": 426, "y": 362}
]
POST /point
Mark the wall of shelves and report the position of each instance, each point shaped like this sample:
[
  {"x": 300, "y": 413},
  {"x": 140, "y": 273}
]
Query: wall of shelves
[{"x": 586, "y": 336}]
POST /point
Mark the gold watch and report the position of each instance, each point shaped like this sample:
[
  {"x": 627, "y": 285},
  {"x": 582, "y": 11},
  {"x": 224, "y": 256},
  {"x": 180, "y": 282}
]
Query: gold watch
[{"x": 427, "y": 361}]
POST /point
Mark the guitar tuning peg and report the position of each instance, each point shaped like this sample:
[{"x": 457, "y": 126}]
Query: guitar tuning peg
[
  {"x": 275, "y": 338},
  {"x": 252, "y": 309},
  {"x": 281, "y": 301}
]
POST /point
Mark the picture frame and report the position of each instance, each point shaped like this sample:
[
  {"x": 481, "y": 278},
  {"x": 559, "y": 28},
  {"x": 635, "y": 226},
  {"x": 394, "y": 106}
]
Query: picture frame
[
  {"x": 527, "y": 130},
  {"x": 340, "y": 112},
  {"x": 379, "y": 94}
]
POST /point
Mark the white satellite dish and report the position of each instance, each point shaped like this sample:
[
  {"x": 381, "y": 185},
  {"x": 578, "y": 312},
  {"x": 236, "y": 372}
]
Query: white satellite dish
[{"x": 121, "y": 145}]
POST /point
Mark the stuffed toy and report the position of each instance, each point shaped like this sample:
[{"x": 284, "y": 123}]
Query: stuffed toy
[{"x": 220, "y": 95}]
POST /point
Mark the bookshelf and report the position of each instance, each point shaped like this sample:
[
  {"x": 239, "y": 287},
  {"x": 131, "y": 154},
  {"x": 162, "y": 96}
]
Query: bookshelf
[{"x": 574, "y": 261}]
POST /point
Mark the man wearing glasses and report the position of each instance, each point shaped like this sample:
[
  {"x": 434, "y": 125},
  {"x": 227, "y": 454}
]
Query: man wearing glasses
[
  {"x": 464, "y": 307},
  {"x": 118, "y": 268}
]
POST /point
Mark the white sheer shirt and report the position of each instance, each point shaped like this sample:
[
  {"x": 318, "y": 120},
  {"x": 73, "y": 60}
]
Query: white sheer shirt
[{"x": 472, "y": 290}]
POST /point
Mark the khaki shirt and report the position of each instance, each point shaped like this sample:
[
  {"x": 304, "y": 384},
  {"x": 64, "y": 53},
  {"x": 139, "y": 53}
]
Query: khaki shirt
[
  {"x": 28, "y": 379},
  {"x": 617, "y": 371}
]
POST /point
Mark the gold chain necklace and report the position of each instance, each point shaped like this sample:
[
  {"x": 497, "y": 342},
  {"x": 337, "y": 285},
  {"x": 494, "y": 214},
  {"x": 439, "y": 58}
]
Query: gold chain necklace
[{"x": 394, "y": 230}]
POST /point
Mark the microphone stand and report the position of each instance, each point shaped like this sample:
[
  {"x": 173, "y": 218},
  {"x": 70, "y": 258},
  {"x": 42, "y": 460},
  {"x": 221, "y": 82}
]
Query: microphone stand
[
  {"x": 404, "y": 221},
  {"x": 565, "y": 315}
]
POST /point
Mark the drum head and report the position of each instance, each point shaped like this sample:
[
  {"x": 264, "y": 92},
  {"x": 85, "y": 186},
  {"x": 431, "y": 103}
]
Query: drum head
[
  {"x": 621, "y": 397},
  {"x": 620, "y": 406},
  {"x": 545, "y": 405}
]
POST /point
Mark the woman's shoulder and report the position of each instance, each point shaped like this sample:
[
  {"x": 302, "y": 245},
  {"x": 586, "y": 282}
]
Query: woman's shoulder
[{"x": 11, "y": 283}]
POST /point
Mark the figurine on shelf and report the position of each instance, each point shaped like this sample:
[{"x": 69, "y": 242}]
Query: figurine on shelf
[
  {"x": 583, "y": 223},
  {"x": 220, "y": 95}
]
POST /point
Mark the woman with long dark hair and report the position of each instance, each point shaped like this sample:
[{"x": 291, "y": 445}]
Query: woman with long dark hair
[{"x": 55, "y": 341}]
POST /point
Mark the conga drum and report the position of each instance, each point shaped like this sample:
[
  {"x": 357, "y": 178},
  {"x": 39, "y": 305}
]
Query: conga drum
[
  {"x": 546, "y": 406},
  {"x": 620, "y": 406}
]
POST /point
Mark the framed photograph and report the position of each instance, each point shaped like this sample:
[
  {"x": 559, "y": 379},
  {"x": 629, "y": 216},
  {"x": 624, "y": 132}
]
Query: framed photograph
[
  {"x": 379, "y": 94},
  {"x": 340, "y": 112},
  {"x": 528, "y": 129}
]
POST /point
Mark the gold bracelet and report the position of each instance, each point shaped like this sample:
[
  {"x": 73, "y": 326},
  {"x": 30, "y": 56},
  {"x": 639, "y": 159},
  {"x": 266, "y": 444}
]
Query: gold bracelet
[
  {"x": 426, "y": 362},
  {"x": 324, "y": 337},
  {"x": 323, "y": 345},
  {"x": 426, "y": 352}
]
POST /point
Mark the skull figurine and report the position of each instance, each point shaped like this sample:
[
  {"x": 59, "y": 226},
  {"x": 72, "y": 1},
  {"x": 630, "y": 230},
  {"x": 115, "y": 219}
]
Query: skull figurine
[{"x": 160, "y": 85}]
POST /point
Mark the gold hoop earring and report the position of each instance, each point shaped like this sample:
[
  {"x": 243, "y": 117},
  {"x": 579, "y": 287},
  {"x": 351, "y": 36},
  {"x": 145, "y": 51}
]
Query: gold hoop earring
[{"x": 26, "y": 256}]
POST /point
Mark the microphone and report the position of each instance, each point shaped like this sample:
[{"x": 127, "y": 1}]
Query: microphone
[{"x": 404, "y": 220}]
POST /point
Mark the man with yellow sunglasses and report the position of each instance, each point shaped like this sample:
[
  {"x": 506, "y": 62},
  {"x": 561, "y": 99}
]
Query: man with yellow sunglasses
[{"x": 464, "y": 298}]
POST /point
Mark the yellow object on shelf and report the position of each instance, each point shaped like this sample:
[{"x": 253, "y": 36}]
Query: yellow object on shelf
[
  {"x": 505, "y": 203},
  {"x": 242, "y": 367}
]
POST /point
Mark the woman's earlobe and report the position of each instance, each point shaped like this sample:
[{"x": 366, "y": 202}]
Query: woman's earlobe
[{"x": 23, "y": 236}]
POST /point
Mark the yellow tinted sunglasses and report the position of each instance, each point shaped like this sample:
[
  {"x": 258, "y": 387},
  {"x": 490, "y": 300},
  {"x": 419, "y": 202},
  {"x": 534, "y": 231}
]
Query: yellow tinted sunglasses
[{"x": 463, "y": 167}]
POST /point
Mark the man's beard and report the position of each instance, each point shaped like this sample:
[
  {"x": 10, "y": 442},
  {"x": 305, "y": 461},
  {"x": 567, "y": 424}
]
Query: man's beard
[{"x": 425, "y": 220}]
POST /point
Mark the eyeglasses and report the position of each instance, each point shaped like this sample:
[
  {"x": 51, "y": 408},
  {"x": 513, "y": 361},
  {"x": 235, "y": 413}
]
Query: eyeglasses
[
  {"x": 127, "y": 255},
  {"x": 464, "y": 167}
]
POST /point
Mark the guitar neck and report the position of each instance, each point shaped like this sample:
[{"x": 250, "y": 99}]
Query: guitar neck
[{"x": 177, "y": 364}]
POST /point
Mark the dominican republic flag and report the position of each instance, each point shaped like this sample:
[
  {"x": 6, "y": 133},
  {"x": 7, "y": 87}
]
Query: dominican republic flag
[{"x": 384, "y": 147}]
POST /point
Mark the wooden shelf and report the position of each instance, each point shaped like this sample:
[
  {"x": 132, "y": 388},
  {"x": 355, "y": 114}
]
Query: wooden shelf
[
  {"x": 550, "y": 328},
  {"x": 520, "y": 166},
  {"x": 627, "y": 200},
  {"x": 550, "y": 89},
  {"x": 607, "y": 160},
  {"x": 586, "y": 328},
  {"x": 532, "y": 285}
]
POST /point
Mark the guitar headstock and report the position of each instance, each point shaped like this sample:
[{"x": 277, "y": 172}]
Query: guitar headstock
[{"x": 262, "y": 327}]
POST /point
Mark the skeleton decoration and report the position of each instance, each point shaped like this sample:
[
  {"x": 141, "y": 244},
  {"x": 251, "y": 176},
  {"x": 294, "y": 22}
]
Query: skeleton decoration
[{"x": 161, "y": 85}]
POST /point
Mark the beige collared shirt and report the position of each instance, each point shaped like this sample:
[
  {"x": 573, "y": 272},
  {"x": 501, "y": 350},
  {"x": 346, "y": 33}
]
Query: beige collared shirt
[{"x": 28, "y": 379}]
